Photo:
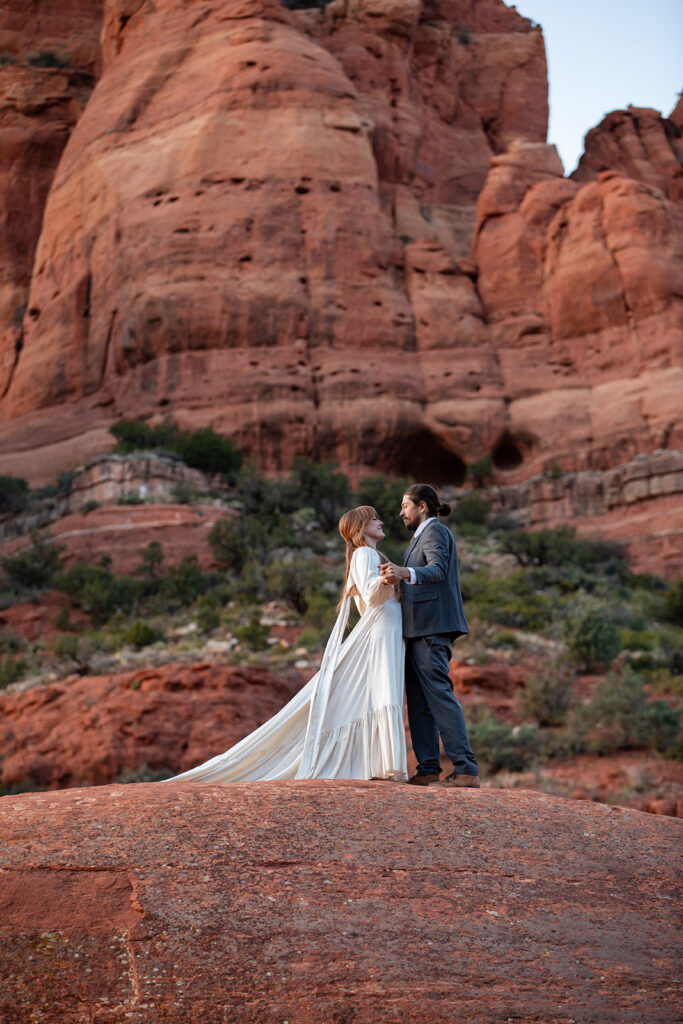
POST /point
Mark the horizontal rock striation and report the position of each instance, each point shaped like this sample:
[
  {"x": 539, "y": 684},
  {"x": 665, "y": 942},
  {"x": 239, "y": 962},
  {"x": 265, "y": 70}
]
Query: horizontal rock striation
[
  {"x": 330, "y": 901},
  {"x": 637, "y": 503}
]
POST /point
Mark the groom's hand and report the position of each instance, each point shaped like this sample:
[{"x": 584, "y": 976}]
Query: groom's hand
[{"x": 391, "y": 574}]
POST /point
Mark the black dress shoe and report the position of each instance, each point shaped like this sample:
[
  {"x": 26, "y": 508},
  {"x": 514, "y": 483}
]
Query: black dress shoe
[
  {"x": 424, "y": 780},
  {"x": 460, "y": 780}
]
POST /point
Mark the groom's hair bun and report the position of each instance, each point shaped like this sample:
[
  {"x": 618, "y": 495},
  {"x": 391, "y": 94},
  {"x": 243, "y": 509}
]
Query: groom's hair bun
[{"x": 426, "y": 493}]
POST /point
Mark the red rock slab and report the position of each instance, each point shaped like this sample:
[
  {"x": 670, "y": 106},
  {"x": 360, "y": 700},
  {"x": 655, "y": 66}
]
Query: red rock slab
[
  {"x": 124, "y": 531},
  {"x": 323, "y": 902},
  {"x": 33, "y": 620},
  {"x": 86, "y": 731}
]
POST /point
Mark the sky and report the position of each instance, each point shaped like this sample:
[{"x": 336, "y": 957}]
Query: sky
[{"x": 604, "y": 55}]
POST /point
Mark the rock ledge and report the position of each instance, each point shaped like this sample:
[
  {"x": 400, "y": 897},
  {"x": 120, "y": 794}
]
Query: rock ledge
[{"x": 333, "y": 901}]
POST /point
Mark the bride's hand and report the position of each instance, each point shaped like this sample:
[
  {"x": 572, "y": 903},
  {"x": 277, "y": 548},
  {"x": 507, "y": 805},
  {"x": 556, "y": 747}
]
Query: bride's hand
[{"x": 390, "y": 574}]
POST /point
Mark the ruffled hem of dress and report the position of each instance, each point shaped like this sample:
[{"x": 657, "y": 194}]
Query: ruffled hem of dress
[{"x": 369, "y": 747}]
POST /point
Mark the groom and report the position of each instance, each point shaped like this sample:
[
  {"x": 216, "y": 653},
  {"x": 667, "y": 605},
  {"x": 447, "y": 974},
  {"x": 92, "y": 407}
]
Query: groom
[{"x": 433, "y": 616}]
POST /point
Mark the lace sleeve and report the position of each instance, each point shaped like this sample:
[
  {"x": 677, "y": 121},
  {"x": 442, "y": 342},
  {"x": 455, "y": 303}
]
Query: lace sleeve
[{"x": 365, "y": 572}]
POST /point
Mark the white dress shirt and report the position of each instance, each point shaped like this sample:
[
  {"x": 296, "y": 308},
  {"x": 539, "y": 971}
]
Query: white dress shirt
[{"x": 413, "y": 577}]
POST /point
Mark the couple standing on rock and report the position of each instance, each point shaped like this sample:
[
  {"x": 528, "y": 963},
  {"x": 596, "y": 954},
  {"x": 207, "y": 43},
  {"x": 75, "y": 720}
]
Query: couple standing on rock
[{"x": 347, "y": 721}]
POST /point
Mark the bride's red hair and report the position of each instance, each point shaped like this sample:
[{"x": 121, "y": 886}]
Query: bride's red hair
[{"x": 352, "y": 528}]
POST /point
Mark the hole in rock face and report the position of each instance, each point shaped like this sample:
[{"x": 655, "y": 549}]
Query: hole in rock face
[
  {"x": 508, "y": 453},
  {"x": 424, "y": 458}
]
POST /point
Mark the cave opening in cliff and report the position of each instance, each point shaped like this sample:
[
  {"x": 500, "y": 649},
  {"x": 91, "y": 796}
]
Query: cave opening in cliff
[
  {"x": 507, "y": 454},
  {"x": 426, "y": 459}
]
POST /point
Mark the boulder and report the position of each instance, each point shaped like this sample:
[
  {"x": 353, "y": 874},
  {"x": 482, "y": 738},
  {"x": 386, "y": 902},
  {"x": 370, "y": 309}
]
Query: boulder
[
  {"x": 321, "y": 901},
  {"x": 89, "y": 730}
]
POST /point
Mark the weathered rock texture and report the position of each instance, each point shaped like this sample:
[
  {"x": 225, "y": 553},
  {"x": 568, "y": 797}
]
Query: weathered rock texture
[
  {"x": 93, "y": 730},
  {"x": 637, "y": 504},
  {"x": 124, "y": 531},
  {"x": 38, "y": 108},
  {"x": 223, "y": 232},
  {"x": 333, "y": 901},
  {"x": 88, "y": 731},
  {"x": 284, "y": 223}
]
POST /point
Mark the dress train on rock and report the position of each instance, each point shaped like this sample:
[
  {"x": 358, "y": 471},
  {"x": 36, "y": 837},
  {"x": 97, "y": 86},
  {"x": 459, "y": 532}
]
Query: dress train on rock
[{"x": 347, "y": 721}]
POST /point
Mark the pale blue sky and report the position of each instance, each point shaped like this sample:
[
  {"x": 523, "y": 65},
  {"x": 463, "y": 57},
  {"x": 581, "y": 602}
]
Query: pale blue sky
[{"x": 603, "y": 55}]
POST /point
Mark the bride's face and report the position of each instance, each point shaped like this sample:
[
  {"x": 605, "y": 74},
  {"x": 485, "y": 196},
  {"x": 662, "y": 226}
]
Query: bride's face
[{"x": 373, "y": 530}]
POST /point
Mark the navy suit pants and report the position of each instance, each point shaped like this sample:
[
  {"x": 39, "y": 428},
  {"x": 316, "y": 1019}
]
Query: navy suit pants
[{"x": 432, "y": 707}]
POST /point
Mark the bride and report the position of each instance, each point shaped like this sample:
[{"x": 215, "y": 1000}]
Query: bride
[{"x": 347, "y": 721}]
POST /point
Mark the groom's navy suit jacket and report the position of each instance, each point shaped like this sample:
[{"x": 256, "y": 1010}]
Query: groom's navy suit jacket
[{"x": 434, "y": 603}]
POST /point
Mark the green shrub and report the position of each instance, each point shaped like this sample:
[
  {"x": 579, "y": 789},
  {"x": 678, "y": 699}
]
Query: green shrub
[
  {"x": 36, "y": 566},
  {"x": 562, "y": 548},
  {"x": 14, "y": 495},
  {"x": 673, "y": 603},
  {"x": 60, "y": 489},
  {"x": 152, "y": 560},
  {"x": 47, "y": 59},
  {"x": 10, "y": 643},
  {"x": 202, "y": 449},
  {"x": 11, "y": 669},
  {"x": 547, "y": 694},
  {"x": 136, "y": 435},
  {"x": 638, "y": 639},
  {"x": 509, "y": 601},
  {"x": 185, "y": 582},
  {"x": 505, "y": 638},
  {"x": 89, "y": 506},
  {"x": 131, "y": 498},
  {"x": 665, "y": 726},
  {"x": 65, "y": 645},
  {"x": 209, "y": 452},
  {"x": 663, "y": 681},
  {"x": 318, "y": 485},
  {"x": 322, "y": 611},
  {"x": 7, "y": 58},
  {"x": 293, "y": 579},
  {"x": 141, "y": 634},
  {"x": 254, "y": 634},
  {"x": 500, "y": 747},
  {"x": 98, "y": 590},
  {"x": 619, "y": 717},
  {"x": 472, "y": 509},
  {"x": 208, "y": 618},
  {"x": 234, "y": 541},
  {"x": 592, "y": 640},
  {"x": 183, "y": 493}
]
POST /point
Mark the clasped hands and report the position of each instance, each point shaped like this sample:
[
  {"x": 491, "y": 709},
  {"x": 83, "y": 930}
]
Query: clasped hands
[{"x": 391, "y": 574}]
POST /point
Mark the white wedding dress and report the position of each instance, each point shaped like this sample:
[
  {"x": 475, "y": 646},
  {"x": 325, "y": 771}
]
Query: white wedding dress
[{"x": 347, "y": 721}]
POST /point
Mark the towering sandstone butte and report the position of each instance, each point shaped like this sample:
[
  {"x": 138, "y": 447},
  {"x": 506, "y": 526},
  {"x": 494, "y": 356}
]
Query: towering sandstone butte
[
  {"x": 258, "y": 903},
  {"x": 340, "y": 232},
  {"x": 225, "y": 234}
]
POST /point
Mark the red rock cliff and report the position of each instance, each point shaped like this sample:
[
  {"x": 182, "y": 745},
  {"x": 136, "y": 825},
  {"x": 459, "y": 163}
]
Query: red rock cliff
[
  {"x": 340, "y": 232},
  {"x": 39, "y": 106},
  {"x": 226, "y": 230}
]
